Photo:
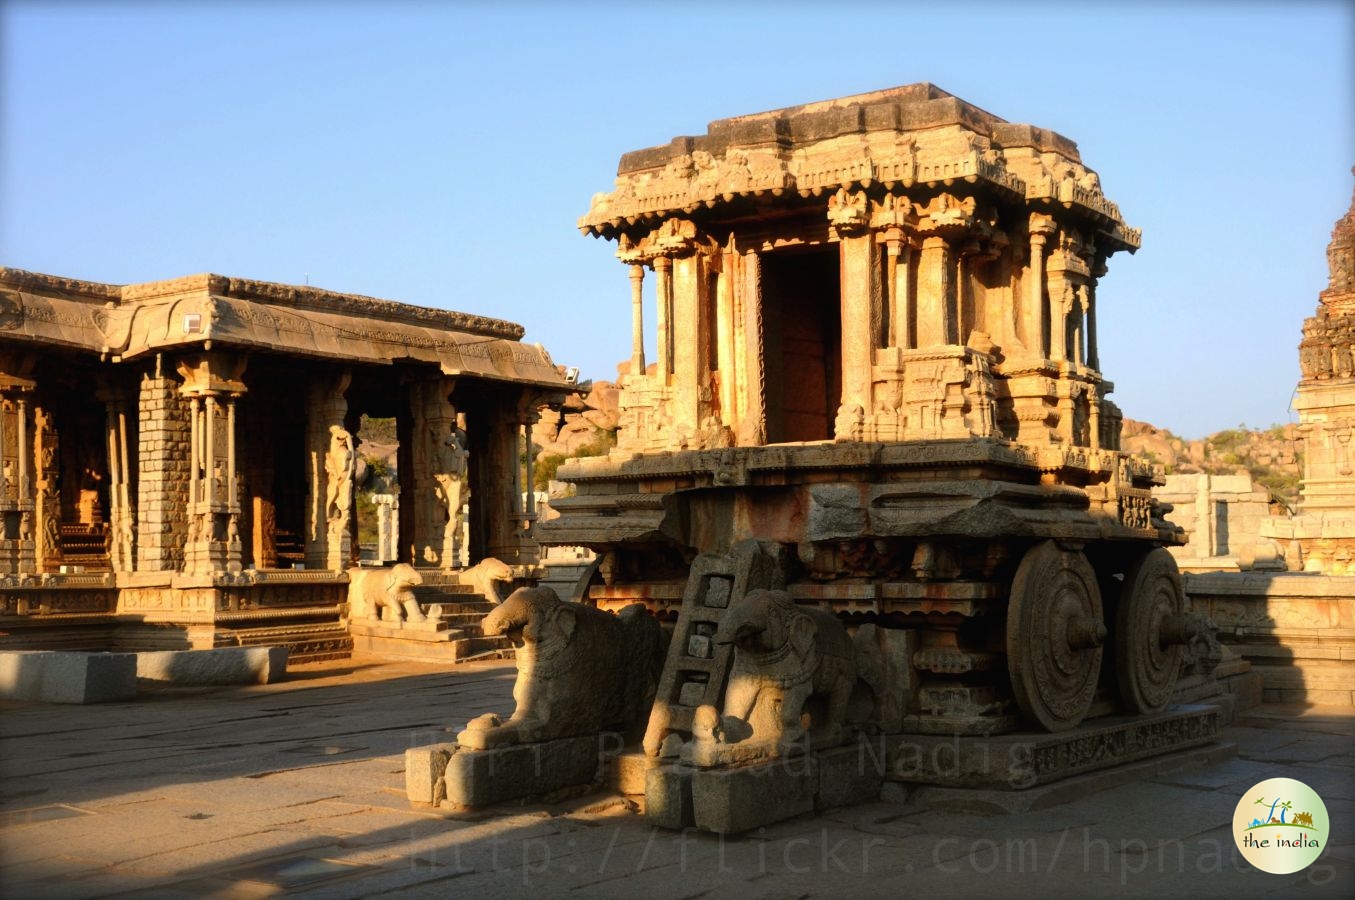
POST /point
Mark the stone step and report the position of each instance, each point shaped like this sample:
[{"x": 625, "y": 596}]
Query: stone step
[
  {"x": 304, "y": 643},
  {"x": 452, "y": 649}
]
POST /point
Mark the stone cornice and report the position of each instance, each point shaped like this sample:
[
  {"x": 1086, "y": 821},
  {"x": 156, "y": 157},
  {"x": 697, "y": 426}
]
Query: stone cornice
[{"x": 321, "y": 300}]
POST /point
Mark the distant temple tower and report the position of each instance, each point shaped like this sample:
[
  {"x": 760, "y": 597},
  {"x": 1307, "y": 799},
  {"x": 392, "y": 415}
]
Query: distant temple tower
[{"x": 1325, "y": 401}]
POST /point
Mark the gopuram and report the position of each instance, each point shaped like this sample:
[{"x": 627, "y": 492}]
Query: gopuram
[
  {"x": 868, "y": 472},
  {"x": 177, "y": 458},
  {"x": 1322, "y": 537}
]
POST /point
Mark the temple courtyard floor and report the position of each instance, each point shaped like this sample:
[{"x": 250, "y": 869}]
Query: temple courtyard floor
[{"x": 297, "y": 789}]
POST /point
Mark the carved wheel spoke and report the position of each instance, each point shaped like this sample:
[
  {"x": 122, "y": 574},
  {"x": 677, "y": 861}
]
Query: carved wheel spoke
[
  {"x": 1054, "y": 636},
  {"x": 1150, "y": 631}
]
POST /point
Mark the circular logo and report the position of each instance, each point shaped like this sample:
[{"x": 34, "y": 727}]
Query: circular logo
[{"x": 1281, "y": 826}]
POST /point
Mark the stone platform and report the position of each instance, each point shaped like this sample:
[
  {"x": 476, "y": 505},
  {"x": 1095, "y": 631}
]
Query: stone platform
[
  {"x": 733, "y": 800},
  {"x": 314, "y": 805}
]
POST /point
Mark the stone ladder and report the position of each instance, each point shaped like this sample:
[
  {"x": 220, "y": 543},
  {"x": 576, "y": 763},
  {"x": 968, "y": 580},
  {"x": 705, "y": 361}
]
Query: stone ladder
[{"x": 696, "y": 667}]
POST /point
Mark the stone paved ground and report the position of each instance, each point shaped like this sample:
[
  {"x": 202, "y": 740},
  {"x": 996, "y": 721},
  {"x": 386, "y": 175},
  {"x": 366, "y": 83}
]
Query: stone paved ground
[{"x": 297, "y": 788}]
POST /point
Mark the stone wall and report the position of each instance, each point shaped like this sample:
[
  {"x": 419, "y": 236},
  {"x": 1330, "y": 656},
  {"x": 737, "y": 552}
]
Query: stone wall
[
  {"x": 1297, "y": 630},
  {"x": 1223, "y": 516},
  {"x": 162, "y": 484}
]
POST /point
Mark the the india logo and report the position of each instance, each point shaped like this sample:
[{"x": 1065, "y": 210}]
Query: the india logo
[{"x": 1281, "y": 826}]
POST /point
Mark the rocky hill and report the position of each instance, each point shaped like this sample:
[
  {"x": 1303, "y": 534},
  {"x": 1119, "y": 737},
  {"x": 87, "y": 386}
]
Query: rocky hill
[{"x": 1272, "y": 457}]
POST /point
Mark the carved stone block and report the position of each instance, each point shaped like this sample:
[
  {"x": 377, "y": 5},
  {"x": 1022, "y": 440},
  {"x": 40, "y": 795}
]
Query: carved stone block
[
  {"x": 478, "y": 778},
  {"x": 732, "y": 801}
]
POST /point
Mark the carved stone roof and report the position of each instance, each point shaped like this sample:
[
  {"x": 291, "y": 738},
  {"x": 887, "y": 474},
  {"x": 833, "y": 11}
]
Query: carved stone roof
[
  {"x": 128, "y": 321},
  {"x": 900, "y": 137},
  {"x": 1339, "y": 297}
]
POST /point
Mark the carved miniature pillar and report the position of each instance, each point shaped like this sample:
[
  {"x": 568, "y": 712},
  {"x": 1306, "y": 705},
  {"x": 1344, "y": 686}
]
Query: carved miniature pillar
[
  {"x": 752, "y": 430},
  {"x": 1080, "y": 327},
  {"x": 900, "y": 260},
  {"x": 934, "y": 290},
  {"x": 1094, "y": 417},
  {"x": 1040, "y": 228},
  {"x": 637, "y": 320},
  {"x": 860, "y": 291},
  {"x": 213, "y": 543},
  {"x": 331, "y": 459},
  {"x": 1058, "y": 322},
  {"x": 24, "y": 449},
  {"x": 663, "y": 274}
]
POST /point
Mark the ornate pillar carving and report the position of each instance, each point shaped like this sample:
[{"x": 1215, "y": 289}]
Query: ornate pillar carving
[
  {"x": 331, "y": 458},
  {"x": 438, "y": 478},
  {"x": 122, "y": 516},
  {"x": 212, "y": 383},
  {"x": 900, "y": 257}
]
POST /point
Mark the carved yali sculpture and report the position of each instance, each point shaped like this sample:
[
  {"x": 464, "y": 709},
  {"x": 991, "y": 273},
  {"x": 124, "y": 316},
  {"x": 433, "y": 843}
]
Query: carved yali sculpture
[
  {"x": 581, "y": 671},
  {"x": 785, "y": 656},
  {"x": 372, "y": 591}
]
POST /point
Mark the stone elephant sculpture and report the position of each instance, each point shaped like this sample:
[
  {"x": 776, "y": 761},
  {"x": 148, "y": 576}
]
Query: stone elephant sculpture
[
  {"x": 581, "y": 671},
  {"x": 786, "y": 658},
  {"x": 372, "y": 591}
]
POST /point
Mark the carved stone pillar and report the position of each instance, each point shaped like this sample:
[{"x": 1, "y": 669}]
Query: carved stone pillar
[
  {"x": 1093, "y": 353},
  {"x": 122, "y": 516},
  {"x": 498, "y": 487},
  {"x": 663, "y": 279},
  {"x": 165, "y": 460},
  {"x": 724, "y": 340},
  {"x": 212, "y": 383},
  {"x": 690, "y": 339},
  {"x": 1034, "y": 316},
  {"x": 935, "y": 308},
  {"x": 47, "y": 494},
  {"x": 901, "y": 302},
  {"x": 438, "y": 478},
  {"x": 331, "y": 459},
  {"x": 17, "y": 545},
  {"x": 861, "y": 306},
  {"x": 637, "y": 320},
  {"x": 752, "y": 428}
]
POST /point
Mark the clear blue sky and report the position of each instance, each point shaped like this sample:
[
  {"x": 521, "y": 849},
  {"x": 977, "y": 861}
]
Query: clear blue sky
[{"x": 441, "y": 154}]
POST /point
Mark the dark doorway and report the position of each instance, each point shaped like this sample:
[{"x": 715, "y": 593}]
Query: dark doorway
[{"x": 802, "y": 343}]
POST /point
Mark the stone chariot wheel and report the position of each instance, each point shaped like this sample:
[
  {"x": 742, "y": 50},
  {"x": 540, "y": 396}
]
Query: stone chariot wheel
[
  {"x": 1054, "y": 636},
  {"x": 1149, "y": 632}
]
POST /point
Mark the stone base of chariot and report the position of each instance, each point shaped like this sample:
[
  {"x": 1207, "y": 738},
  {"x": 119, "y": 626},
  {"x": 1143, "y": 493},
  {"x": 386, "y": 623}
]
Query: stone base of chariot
[
  {"x": 733, "y": 800},
  {"x": 453, "y": 776}
]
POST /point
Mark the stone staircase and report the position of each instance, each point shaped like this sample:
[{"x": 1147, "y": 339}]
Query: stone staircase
[{"x": 451, "y": 634}]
